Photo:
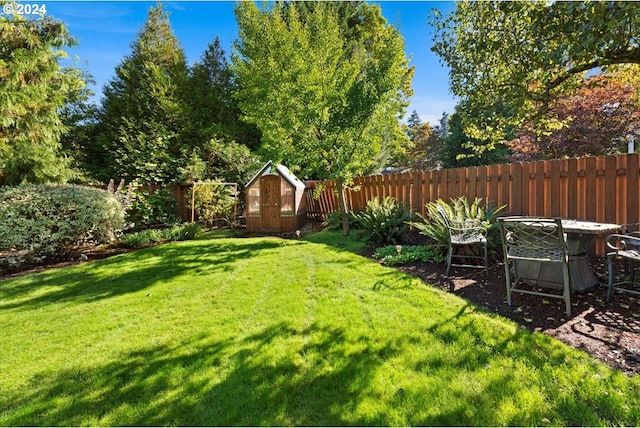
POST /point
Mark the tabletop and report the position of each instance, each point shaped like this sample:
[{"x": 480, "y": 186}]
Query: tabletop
[{"x": 592, "y": 227}]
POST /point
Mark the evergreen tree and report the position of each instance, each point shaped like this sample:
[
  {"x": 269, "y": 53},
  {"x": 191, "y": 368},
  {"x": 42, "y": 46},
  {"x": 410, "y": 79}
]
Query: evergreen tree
[
  {"x": 34, "y": 87},
  {"x": 142, "y": 115},
  {"x": 214, "y": 113}
]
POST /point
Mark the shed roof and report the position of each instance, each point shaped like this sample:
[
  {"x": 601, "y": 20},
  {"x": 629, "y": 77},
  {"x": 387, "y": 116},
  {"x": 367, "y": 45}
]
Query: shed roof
[{"x": 281, "y": 170}]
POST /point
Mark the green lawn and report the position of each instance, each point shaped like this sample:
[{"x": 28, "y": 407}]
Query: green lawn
[{"x": 264, "y": 331}]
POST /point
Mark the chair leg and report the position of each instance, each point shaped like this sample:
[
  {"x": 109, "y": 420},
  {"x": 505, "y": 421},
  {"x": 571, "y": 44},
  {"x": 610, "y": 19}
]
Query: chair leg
[
  {"x": 486, "y": 260},
  {"x": 610, "y": 269},
  {"x": 507, "y": 275},
  {"x": 449, "y": 253},
  {"x": 567, "y": 299}
]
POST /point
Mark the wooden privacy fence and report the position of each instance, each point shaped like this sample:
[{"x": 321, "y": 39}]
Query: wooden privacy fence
[{"x": 603, "y": 189}]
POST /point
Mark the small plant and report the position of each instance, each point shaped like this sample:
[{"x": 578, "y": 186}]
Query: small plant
[
  {"x": 384, "y": 222},
  {"x": 434, "y": 227},
  {"x": 144, "y": 238},
  {"x": 185, "y": 232},
  {"x": 334, "y": 221},
  {"x": 399, "y": 254}
]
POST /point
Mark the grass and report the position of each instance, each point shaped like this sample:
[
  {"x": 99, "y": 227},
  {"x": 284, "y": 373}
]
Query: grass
[{"x": 264, "y": 331}]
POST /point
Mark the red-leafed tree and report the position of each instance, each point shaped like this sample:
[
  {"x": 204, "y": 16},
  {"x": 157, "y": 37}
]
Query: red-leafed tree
[{"x": 598, "y": 118}]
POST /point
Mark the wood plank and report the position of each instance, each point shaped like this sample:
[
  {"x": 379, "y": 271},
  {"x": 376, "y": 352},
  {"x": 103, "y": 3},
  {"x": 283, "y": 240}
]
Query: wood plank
[{"x": 632, "y": 190}]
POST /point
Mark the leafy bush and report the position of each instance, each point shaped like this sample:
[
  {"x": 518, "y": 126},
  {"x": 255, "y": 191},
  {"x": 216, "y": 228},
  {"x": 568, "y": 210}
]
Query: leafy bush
[
  {"x": 334, "y": 221},
  {"x": 399, "y": 254},
  {"x": 185, "y": 232},
  {"x": 42, "y": 223},
  {"x": 433, "y": 225},
  {"x": 159, "y": 208},
  {"x": 144, "y": 238},
  {"x": 214, "y": 201},
  {"x": 384, "y": 222}
]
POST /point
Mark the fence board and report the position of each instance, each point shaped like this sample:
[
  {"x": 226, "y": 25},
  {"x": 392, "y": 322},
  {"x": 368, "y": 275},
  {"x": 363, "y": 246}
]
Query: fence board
[
  {"x": 632, "y": 190},
  {"x": 605, "y": 189}
]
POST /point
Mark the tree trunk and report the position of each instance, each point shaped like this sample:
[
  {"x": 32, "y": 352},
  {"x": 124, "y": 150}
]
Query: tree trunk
[{"x": 344, "y": 208}]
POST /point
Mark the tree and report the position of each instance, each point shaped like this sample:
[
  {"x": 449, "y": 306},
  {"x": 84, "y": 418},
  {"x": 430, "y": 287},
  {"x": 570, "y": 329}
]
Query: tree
[
  {"x": 599, "y": 117},
  {"x": 142, "y": 115},
  {"x": 528, "y": 53},
  {"x": 34, "y": 87},
  {"x": 318, "y": 93},
  {"x": 79, "y": 117},
  {"x": 425, "y": 144},
  {"x": 214, "y": 113}
]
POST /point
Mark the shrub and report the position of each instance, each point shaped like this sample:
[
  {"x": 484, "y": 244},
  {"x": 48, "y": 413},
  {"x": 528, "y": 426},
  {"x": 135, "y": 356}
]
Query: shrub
[
  {"x": 144, "y": 238},
  {"x": 334, "y": 221},
  {"x": 401, "y": 254},
  {"x": 384, "y": 222},
  {"x": 159, "y": 208},
  {"x": 433, "y": 226},
  {"x": 42, "y": 223},
  {"x": 214, "y": 201},
  {"x": 185, "y": 232}
]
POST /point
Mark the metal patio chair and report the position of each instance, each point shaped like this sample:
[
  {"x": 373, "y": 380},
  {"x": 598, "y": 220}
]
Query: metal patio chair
[
  {"x": 534, "y": 239},
  {"x": 465, "y": 233},
  {"x": 627, "y": 248}
]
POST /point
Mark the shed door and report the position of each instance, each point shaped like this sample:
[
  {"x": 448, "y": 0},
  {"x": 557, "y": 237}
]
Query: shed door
[{"x": 270, "y": 202}]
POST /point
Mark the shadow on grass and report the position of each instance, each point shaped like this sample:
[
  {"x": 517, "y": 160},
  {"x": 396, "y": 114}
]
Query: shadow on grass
[
  {"x": 202, "y": 382},
  {"x": 324, "y": 379},
  {"x": 128, "y": 273}
]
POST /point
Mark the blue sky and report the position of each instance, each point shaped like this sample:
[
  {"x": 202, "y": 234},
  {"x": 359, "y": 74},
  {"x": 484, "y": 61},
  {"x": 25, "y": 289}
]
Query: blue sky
[{"x": 106, "y": 30}]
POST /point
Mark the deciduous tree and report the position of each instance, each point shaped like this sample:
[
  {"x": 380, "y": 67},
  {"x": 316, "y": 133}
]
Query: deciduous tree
[
  {"x": 529, "y": 53},
  {"x": 598, "y": 119},
  {"x": 317, "y": 90}
]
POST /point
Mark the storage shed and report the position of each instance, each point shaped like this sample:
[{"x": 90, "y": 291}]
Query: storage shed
[{"x": 275, "y": 201}]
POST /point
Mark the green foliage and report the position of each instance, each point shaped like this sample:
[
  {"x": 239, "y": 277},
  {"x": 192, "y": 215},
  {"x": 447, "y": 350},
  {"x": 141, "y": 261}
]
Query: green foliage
[
  {"x": 155, "y": 209},
  {"x": 144, "y": 238},
  {"x": 461, "y": 150},
  {"x": 522, "y": 55},
  {"x": 229, "y": 161},
  {"x": 213, "y": 111},
  {"x": 384, "y": 221},
  {"x": 43, "y": 223},
  {"x": 34, "y": 88},
  {"x": 434, "y": 227},
  {"x": 401, "y": 254},
  {"x": 143, "y": 113},
  {"x": 334, "y": 221},
  {"x": 325, "y": 85},
  {"x": 214, "y": 201}
]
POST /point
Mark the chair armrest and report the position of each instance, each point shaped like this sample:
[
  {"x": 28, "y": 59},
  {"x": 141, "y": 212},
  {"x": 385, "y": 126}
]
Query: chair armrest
[{"x": 618, "y": 242}]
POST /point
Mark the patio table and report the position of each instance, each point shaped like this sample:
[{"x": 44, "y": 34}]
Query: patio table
[{"x": 578, "y": 236}]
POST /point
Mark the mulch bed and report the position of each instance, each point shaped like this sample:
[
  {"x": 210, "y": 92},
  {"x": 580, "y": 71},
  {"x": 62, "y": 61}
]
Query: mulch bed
[{"x": 609, "y": 331}]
